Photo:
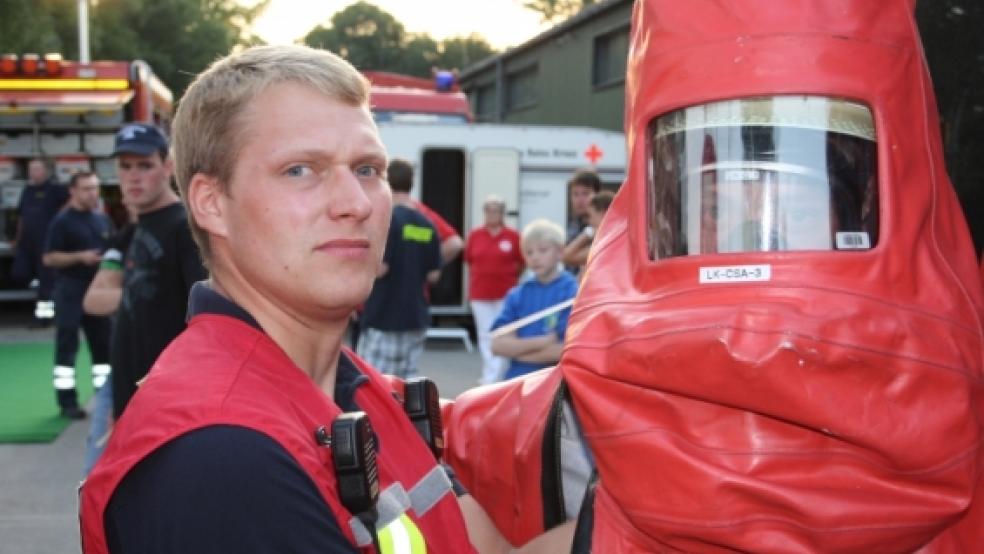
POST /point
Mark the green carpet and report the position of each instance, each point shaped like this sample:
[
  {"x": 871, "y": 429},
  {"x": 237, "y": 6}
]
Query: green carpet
[{"x": 28, "y": 412}]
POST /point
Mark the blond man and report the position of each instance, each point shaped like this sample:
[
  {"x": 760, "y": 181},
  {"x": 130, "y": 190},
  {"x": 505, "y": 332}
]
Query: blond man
[{"x": 229, "y": 446}]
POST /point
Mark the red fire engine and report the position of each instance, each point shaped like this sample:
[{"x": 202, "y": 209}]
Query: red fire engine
[
  {"x": 67, "y": 113},
  {"x": 402, "y": 98}
]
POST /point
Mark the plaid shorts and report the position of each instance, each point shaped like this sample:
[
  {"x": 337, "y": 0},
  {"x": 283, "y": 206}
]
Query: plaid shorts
[{"x": 392, "y": 352}]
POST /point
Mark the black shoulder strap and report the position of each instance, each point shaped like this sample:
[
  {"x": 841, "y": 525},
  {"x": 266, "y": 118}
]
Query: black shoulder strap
[{"x": 551, "y": 486}]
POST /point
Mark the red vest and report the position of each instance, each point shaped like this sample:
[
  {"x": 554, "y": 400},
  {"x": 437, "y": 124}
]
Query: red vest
[{"x": 250, "y": 382}]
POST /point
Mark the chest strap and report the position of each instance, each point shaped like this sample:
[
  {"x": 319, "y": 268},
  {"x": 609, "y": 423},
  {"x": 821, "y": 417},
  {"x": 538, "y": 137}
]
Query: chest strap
[{"x": 394, "y": 501}]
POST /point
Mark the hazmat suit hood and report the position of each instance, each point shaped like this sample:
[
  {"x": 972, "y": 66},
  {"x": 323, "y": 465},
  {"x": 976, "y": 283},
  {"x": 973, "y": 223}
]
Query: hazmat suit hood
[{"x": 781, "y": 394}]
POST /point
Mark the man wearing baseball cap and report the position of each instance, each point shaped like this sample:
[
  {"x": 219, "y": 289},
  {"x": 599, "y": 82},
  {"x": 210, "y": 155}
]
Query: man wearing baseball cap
[{"x": 160, "y": 265}]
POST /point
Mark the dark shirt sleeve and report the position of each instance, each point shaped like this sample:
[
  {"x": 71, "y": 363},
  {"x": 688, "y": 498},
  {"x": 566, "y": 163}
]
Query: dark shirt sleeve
[
  {"x": 60, "y": 193},
  {"x": 393, "y": 240},
  {"x": 221, "y": 489},
  {"x": 55, "y": 237}
]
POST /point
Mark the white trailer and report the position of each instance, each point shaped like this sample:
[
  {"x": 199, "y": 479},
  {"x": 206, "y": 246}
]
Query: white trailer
[{"x": 457, "y": 166}]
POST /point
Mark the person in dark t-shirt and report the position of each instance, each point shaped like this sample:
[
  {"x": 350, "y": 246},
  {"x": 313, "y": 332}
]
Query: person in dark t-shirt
[
  {"x": 160, "y": 266},
  {"x": 75, "y": 242},
  {"x": 39, "y": 203},
  {"x": 397, "y": 314}
]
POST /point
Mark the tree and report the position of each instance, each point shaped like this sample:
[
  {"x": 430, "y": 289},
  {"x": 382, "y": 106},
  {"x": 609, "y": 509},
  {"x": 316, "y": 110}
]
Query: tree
[
  {"x": 954, "y": 47},
  {"x": 38, "y": 26},
  {"x": 372, "y": 39},
  {"x": 420, "y": 54},
  {"x": 368, "y": 37},
  {"x": 460, "y": 52},
  {"x": 553, "y": 10},
  {"x": 178, "y": 38}
]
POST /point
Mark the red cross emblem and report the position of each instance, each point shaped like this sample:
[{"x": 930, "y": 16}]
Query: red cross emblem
[{"x": 593, "y": 153}]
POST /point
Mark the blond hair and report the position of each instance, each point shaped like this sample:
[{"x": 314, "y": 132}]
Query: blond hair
[
  {"x": 208, "y": 126},
  {"x": 542, "y": 230}
]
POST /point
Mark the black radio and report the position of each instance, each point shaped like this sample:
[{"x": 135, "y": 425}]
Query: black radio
[
  {"x": 353, "y": 451},
  {"x": 423, "y": 405}
]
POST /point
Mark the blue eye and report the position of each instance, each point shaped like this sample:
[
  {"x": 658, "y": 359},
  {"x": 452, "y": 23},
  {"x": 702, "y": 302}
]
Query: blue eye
[
  {"x": 367, "y": 171},
  {"x": 298, "y": 170}
]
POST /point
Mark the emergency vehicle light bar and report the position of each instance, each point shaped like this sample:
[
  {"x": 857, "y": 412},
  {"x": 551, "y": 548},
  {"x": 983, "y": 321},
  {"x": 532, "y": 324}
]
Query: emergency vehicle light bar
[
  {"x": 8, "y": 64},
  {"x": 30, "y": 65},
  {"x": 64, "y": 84}
]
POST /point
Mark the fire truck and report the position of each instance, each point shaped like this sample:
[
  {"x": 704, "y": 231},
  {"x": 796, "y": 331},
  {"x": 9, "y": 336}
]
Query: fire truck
[
  {"x": 403, "y": 98},
  {"x": 67, "y": 113}
]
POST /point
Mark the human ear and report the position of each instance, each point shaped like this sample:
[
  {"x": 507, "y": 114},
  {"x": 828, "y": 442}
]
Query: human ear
[{"x": 206, "y": 205}]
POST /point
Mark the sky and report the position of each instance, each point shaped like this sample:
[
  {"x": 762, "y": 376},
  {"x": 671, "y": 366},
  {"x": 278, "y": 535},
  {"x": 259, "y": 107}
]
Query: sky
[{"x": 503, "y": 23}]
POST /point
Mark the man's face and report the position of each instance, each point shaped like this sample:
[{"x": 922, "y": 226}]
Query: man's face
[
  {"x": 84, "y": 195},
  {"x": 144, "y": 180},
  {"x": 580, "y": 198},
  {"x": 307, "y": 210},
  {"x": 36, "y": 172}
]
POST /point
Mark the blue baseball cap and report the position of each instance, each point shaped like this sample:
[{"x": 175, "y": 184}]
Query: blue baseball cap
[{"x": 141, "y": 139}]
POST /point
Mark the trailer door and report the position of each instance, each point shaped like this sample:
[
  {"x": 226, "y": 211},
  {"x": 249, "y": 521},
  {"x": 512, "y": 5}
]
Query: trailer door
[
  {"x": 495, "y": 171},
  {"x": 442, "y": 189}
]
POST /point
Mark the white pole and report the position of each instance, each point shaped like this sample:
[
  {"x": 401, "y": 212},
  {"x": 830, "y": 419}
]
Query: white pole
[
  {"x": 84, "y": 31},
  {"x": 522, "y": 322}
]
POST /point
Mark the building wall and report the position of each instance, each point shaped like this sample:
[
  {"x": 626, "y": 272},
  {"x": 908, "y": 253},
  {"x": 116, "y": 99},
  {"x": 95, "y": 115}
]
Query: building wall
[{"x": 561, "y": 76}]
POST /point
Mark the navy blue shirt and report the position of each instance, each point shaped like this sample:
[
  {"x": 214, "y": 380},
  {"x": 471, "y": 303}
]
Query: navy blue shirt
[
  {"x": 178, "y": 499},
  {"x": 37, "y": 207},
  {"x": 75, "y": 231},
  {"x": 413, "y": 249}
]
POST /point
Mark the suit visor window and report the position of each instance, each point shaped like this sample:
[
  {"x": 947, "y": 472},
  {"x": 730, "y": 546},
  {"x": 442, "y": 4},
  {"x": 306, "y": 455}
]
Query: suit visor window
[{"x": 782, "y": 173}]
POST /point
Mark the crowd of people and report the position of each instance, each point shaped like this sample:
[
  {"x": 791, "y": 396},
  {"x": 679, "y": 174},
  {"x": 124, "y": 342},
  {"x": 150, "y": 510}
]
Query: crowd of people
[
  {"x": 132, "y": 290},
  {"x": 224, "y": 315},
  {"x": 126, "y": 289},
  {"x": 510, "y": 276}
]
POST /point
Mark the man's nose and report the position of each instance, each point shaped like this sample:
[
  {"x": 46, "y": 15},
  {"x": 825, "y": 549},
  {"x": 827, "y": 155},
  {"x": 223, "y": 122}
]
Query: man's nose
[{"x": 348, "y": 196}]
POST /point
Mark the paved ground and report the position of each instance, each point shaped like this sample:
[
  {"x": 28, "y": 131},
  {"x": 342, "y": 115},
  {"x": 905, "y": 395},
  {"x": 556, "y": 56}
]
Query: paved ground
[{"x": 37, "y": 482}]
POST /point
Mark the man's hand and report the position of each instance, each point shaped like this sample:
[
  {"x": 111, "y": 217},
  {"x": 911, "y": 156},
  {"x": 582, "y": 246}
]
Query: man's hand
[{"x": 90, "y": 257}]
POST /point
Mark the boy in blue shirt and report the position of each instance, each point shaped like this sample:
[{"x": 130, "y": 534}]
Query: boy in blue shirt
[{"x": 537, "y": 344}]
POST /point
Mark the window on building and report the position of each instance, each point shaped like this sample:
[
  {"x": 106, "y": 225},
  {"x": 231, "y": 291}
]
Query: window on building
[
  {"x": 521, "y": 89},
  {"x": 610, "y": 51},
  {"x": 485, "y": 105}
]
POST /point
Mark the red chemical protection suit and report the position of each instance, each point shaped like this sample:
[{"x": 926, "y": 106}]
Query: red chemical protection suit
[{"x": 777, "y": 346}]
